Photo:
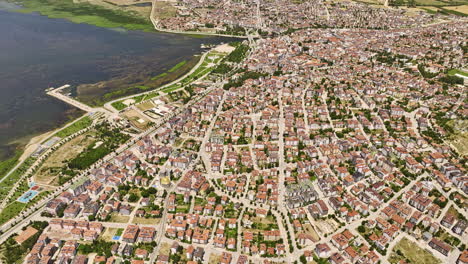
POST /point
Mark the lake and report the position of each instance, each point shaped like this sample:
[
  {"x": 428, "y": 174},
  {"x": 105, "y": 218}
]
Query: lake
[{"x": 37, "y": 52}]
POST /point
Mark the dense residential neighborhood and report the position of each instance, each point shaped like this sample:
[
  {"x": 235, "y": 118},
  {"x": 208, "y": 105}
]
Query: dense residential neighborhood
[{"x": 330, "y": 137}]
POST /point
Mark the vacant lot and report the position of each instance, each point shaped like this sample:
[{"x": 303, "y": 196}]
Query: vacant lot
[
  {"x": 145, "y": 221},
  {"x": 165, "y": 249},
  {"x": 163, "y": 10},
  {"x": 108, "y": 234},
  {"x": 311, "y": 231},
  {"x": 147, "y": 105},
  {"x": 326, "y": 226},
  {"x": 49, "y": 171},
  {"x": 459, "y": 139},
  {"x": 411, "y": 251},
  {"x": 136, "y": 119},
  {"x": 117, "y": 218},
  {"x": 214, "y": 259}
]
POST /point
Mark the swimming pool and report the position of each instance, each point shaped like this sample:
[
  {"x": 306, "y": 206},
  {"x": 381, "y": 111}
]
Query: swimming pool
[
  {"x": 27, "y": 196},
  {"x": 116, "y": 238}
]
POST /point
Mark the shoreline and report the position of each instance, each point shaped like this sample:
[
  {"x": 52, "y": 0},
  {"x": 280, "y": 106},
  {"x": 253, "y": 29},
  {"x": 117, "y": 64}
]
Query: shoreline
[{"x": 29, "y": 146}]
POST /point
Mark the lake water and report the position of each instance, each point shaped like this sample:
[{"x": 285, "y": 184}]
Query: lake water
[{"x": 37, "y": 52}]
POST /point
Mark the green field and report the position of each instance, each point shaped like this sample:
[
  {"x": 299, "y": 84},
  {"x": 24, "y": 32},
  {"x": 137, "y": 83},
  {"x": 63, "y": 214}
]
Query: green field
[
  {"x": 460, "y": 72},
  {"x": 7, "y": 165},
  {"x": 87, "y": 13},
  {"x": 5, "y": 186},
  {"x": 75, "y": 127}
]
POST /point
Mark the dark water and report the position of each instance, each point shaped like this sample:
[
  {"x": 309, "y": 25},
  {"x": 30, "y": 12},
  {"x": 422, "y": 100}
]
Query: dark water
[{"x": 37, "y": 52}]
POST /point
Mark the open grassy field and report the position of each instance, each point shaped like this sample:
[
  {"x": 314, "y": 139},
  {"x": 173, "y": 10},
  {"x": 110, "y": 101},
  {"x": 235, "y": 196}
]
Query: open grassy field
[
  {"x": 145, "y": 221},
  {"x": 146, "y": 105},
  {"x": 142, "y": 8},
  {"x": 77, "y": 126},
  {"x": 405, "y": 249},
  {"x": 463, "y": 9},
  {"x": 49, "y": 171},
  {"x": 453, "y": 7},
  {"x": 5, "y": 186},
  {"x": 459, "y": 139},
  {"x": 214, "y": 259},
  {"x": 164, "y": 9},
  {"x": 436, "y": 3},
  {"x": 15, "y": 207},
  {"x": 117, "y": 218},
  {"x": 7, "y": 165},
  {"x": 108, "y": 234}
]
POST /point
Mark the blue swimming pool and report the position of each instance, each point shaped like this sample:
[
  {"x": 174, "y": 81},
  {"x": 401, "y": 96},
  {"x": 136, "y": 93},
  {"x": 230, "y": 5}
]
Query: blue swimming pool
[
  {"x": 27, "y": 196},
  {"x": 115, "y": 238}
]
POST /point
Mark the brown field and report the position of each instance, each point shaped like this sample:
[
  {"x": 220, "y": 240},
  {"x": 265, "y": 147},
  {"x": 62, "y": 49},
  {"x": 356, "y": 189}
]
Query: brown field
[
  {"x": 126, "y": 5},
  {"x": 214, "y": 259},
  {"x": 326, "y": 226},
  {"x": 311, "y": 231},
  {"x": 165, "y": 249},
  {"x": 462, "y": 9},
  {"x": 49, "y": 171},
  {"x": 146, "y": 221},
  {"x": 164, "y": 9},
  {"x": 108, "y": 234},
  {"x": 145, "y": 105},
  {"x": 117, "y": 218},
  {"x": 264, "y": 220},
  {"x": 413, "y": 253},
  {"x": 133, "y": 116}
]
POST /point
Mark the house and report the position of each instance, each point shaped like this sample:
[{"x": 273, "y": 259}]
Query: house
[
  {"x": 440, "y": 246},
  {"x": 130, "y": 234},
  {"x": 322, "y": 250}
]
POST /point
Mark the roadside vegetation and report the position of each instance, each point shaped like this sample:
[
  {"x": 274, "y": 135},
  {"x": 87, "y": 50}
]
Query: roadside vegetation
[{"x": 87, "y": 13}]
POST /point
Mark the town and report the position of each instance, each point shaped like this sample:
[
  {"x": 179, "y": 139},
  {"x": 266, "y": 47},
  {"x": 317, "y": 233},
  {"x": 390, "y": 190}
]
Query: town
[{"x": 337, "y": 134}]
